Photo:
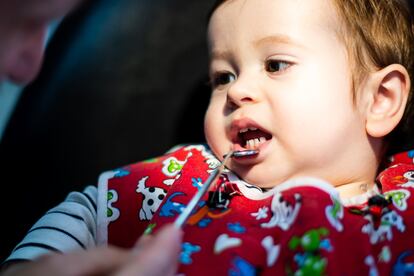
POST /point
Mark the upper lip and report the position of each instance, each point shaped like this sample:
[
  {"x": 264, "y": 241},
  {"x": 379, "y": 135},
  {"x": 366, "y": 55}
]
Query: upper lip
[{"x": 239, "y": 124}]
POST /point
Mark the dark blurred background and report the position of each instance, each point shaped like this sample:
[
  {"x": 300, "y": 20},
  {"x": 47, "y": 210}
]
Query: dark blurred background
[{"x": 122, "y": 81}]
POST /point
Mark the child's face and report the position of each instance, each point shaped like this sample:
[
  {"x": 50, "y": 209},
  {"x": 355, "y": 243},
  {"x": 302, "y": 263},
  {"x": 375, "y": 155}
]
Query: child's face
[{"x": 278, "y": 66}]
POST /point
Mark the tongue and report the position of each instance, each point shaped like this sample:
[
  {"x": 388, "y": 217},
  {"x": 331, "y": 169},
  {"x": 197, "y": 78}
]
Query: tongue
[{"x": 255, "y": 134}]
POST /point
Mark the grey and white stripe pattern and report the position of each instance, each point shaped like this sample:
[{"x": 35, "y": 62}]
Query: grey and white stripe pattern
[{"x": 69, "y": 226}]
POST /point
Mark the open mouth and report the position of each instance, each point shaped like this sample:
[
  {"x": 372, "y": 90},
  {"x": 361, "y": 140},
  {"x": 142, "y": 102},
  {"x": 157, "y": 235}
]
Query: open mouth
[{"x": 252, "y": 138}]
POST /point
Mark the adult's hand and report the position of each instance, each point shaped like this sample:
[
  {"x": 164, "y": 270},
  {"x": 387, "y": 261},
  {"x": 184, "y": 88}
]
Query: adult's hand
[{"x": 152, "y": 255}]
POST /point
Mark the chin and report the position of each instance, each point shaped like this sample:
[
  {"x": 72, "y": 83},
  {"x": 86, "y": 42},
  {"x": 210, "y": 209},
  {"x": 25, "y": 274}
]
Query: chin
[{"x": 254, "y": 176}]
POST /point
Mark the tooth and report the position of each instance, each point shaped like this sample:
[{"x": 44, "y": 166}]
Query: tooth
[
  {"x": 243, "y": 130},
  {"x": 256, "y": 143},
  {"x": 252, "y": 128},
  {"x": 262, "y": 139},
  {"x": 250, "y": 144}
]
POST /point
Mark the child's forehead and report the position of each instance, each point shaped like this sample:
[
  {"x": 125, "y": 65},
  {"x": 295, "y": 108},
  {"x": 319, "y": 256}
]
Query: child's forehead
[{"x": 264, "y": 16}]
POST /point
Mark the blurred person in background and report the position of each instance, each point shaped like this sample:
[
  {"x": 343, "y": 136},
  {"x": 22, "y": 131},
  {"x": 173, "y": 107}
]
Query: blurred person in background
[{"x": 23, "y": 29}]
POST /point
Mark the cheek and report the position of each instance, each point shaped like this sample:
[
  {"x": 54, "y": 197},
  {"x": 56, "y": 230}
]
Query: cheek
[
  {"x": 214, "y": 128},
  {"x": 314, "y": 117},
  {"x": 208, "y": 124}
]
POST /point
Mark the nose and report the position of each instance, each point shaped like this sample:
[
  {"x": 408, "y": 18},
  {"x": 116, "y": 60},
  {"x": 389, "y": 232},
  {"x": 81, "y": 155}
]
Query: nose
[
  {"x": 27, "y": 55},
  {"x": 242, "y": 91}
]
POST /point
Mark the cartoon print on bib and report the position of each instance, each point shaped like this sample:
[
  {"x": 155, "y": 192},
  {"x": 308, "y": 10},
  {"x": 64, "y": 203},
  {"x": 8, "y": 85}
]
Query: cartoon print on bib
[
  {"x": 398, "y": 175},
  {"x": 187, "y": 250},
  {"x": 403, "y": 157},
  {"x": 385, "y": 255},
  {"x": 210, "y": 159},
  {"x": 171, "y": 208},
  {"x": 153, "y": 196},
  {"x": 172, "y": 168},
  {"x": 224, "y": 241},
  {"x": 335, "y": 213},
  {"x": 283, "y": 213},
  {"x": 197, "y": 182},
  {"x": 112, "y": 212},
  {"x": 241, "y": 267},
  {"x": 388, "y": 221},
  {"x": 403, "y": 178},
  {"x": 272, "y": 250},
  {"x": 202, "y": 215},
  {"x": 261, "y": 213},
  {"x": 149, "y": 229},
  {"x": 409, "y": 177},
  {"x": 402, "y": 266},
  {"x": 236, "y": 228},
  {"x": 370, "y": 262},
  {"x": 399, "y": 198},
  {"x": 296, "y": 230},
  {"x": 308, "y": 247},
  {"x": 121, "y": 172}
]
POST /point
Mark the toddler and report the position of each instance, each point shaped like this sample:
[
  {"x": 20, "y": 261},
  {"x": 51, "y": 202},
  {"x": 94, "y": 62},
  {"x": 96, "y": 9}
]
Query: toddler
[{"x": 317, "y": 87}]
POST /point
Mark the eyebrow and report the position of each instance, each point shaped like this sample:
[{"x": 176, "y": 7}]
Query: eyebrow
[
  {"x": 219, "y": 55},
  {"x": 271, "y": 39},
  {"x": 277, "y": 39}
]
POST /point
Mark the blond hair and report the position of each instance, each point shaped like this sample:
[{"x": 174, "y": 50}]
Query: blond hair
[{"x": 378, "y": 33}]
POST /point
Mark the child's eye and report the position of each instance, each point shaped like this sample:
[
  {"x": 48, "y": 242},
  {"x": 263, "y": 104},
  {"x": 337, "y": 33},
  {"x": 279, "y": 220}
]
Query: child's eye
[
  {"x": 222, "y": 78},
  {"x": 273, "y": 66}
]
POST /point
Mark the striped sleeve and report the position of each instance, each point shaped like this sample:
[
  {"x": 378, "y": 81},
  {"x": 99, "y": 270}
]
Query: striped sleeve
[{"x": 69, "y": 226}]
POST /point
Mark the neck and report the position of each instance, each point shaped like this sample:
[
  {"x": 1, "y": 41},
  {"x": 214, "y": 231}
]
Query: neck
[{"x": 349, "y": 190}]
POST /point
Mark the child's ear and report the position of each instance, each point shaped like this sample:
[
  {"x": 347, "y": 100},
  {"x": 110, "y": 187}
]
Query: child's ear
[{"x": 389, "y": 89}]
